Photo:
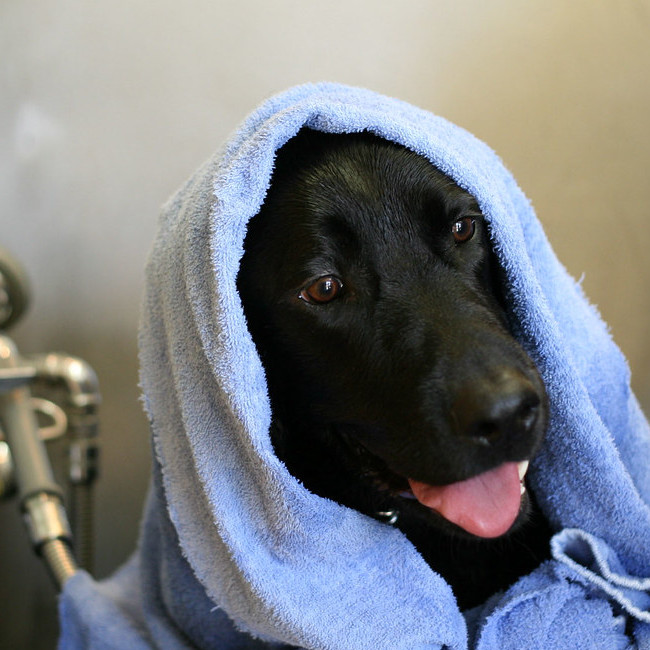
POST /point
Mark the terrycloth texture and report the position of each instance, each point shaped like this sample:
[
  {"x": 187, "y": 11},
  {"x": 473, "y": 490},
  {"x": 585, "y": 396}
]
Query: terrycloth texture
[{"x": 235, "y": 553}]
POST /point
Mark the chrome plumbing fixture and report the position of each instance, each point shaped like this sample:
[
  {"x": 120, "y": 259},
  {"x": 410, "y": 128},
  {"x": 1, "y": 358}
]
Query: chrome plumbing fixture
[
  {"x": 24, "y": 463},
  {"x": 41, "y": 499}
]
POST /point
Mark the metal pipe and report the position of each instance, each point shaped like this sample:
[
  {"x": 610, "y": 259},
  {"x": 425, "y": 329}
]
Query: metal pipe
[
  {"x": 50, "y": 534},
  {"x": 30, "y": 459},
  {"x": 79, "y": 378},
  {"x": 40, "y": 497},
  {"x": 83, "y": 399}
]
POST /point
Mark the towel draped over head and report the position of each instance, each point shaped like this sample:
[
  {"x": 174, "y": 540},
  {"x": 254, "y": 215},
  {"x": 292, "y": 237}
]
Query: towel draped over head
[{"x": 235, "y": 553}]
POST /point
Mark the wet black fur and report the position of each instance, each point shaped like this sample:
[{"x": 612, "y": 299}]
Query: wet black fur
[{"x": 411, "y": 371}]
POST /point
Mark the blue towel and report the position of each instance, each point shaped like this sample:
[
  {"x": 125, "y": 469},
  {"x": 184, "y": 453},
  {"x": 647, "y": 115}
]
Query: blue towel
[{"x": 235, "y": 553}]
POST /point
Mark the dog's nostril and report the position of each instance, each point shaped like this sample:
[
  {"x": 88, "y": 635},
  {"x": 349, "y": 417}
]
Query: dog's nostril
[
  {"x": 486, "y": 410},
  {"x": 527, "y": 414}
]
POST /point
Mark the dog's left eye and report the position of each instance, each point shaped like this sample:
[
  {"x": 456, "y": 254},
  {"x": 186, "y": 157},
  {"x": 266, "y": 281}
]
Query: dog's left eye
[
  {"x": 463, "y": 229},
  {"x": 323, "y": 290}
]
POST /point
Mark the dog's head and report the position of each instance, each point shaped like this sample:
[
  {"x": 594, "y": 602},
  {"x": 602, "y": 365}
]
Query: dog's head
[{"x": 374, "y": 299}]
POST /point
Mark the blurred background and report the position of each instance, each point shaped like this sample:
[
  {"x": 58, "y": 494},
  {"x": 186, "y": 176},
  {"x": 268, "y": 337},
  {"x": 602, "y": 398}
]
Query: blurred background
[{"x": 106, "y": 108}]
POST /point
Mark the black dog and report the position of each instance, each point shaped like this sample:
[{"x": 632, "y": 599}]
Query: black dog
[{"x": 376, "y": 305}]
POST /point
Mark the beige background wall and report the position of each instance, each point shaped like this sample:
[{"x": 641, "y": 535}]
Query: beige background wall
[{"x": 105, "y": 108}]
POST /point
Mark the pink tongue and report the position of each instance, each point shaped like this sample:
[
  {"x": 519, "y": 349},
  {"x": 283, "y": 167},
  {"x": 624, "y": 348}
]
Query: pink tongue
[{"x": 485, "y": 505}]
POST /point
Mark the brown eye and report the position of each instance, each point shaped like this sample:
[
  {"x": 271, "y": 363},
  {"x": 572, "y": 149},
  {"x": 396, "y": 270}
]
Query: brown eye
[
  {"x": 463, "y": 229},
  {"x": 324, "y": 290}
]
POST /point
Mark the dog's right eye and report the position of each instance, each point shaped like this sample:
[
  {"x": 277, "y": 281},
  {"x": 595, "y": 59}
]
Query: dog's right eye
[
  {"x": 463, "y": 229},
  {"x": 323, "y": 290}
]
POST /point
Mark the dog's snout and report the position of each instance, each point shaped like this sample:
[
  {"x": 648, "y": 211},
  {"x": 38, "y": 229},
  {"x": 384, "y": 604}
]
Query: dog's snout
[{"x": 490, "y": 408}]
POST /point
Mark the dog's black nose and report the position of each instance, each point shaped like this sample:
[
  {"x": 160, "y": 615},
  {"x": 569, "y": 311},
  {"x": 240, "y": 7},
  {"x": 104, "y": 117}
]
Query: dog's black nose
[{"x": 503, "y": 404}]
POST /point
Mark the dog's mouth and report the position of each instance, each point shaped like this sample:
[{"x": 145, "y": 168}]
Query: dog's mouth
[{"x": 486, "y": 505}]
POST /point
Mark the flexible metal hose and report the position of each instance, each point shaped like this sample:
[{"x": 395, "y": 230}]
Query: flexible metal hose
[{"x": 59, "y": 560}]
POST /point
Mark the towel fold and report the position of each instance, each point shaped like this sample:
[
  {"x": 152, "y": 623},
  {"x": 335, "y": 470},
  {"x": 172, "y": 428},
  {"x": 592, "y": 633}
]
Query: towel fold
[{"x": 235, "y": 553}]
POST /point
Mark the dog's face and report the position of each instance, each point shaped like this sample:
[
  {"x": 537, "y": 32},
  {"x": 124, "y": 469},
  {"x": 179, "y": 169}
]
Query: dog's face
[{"x": 374, "y": 300}]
